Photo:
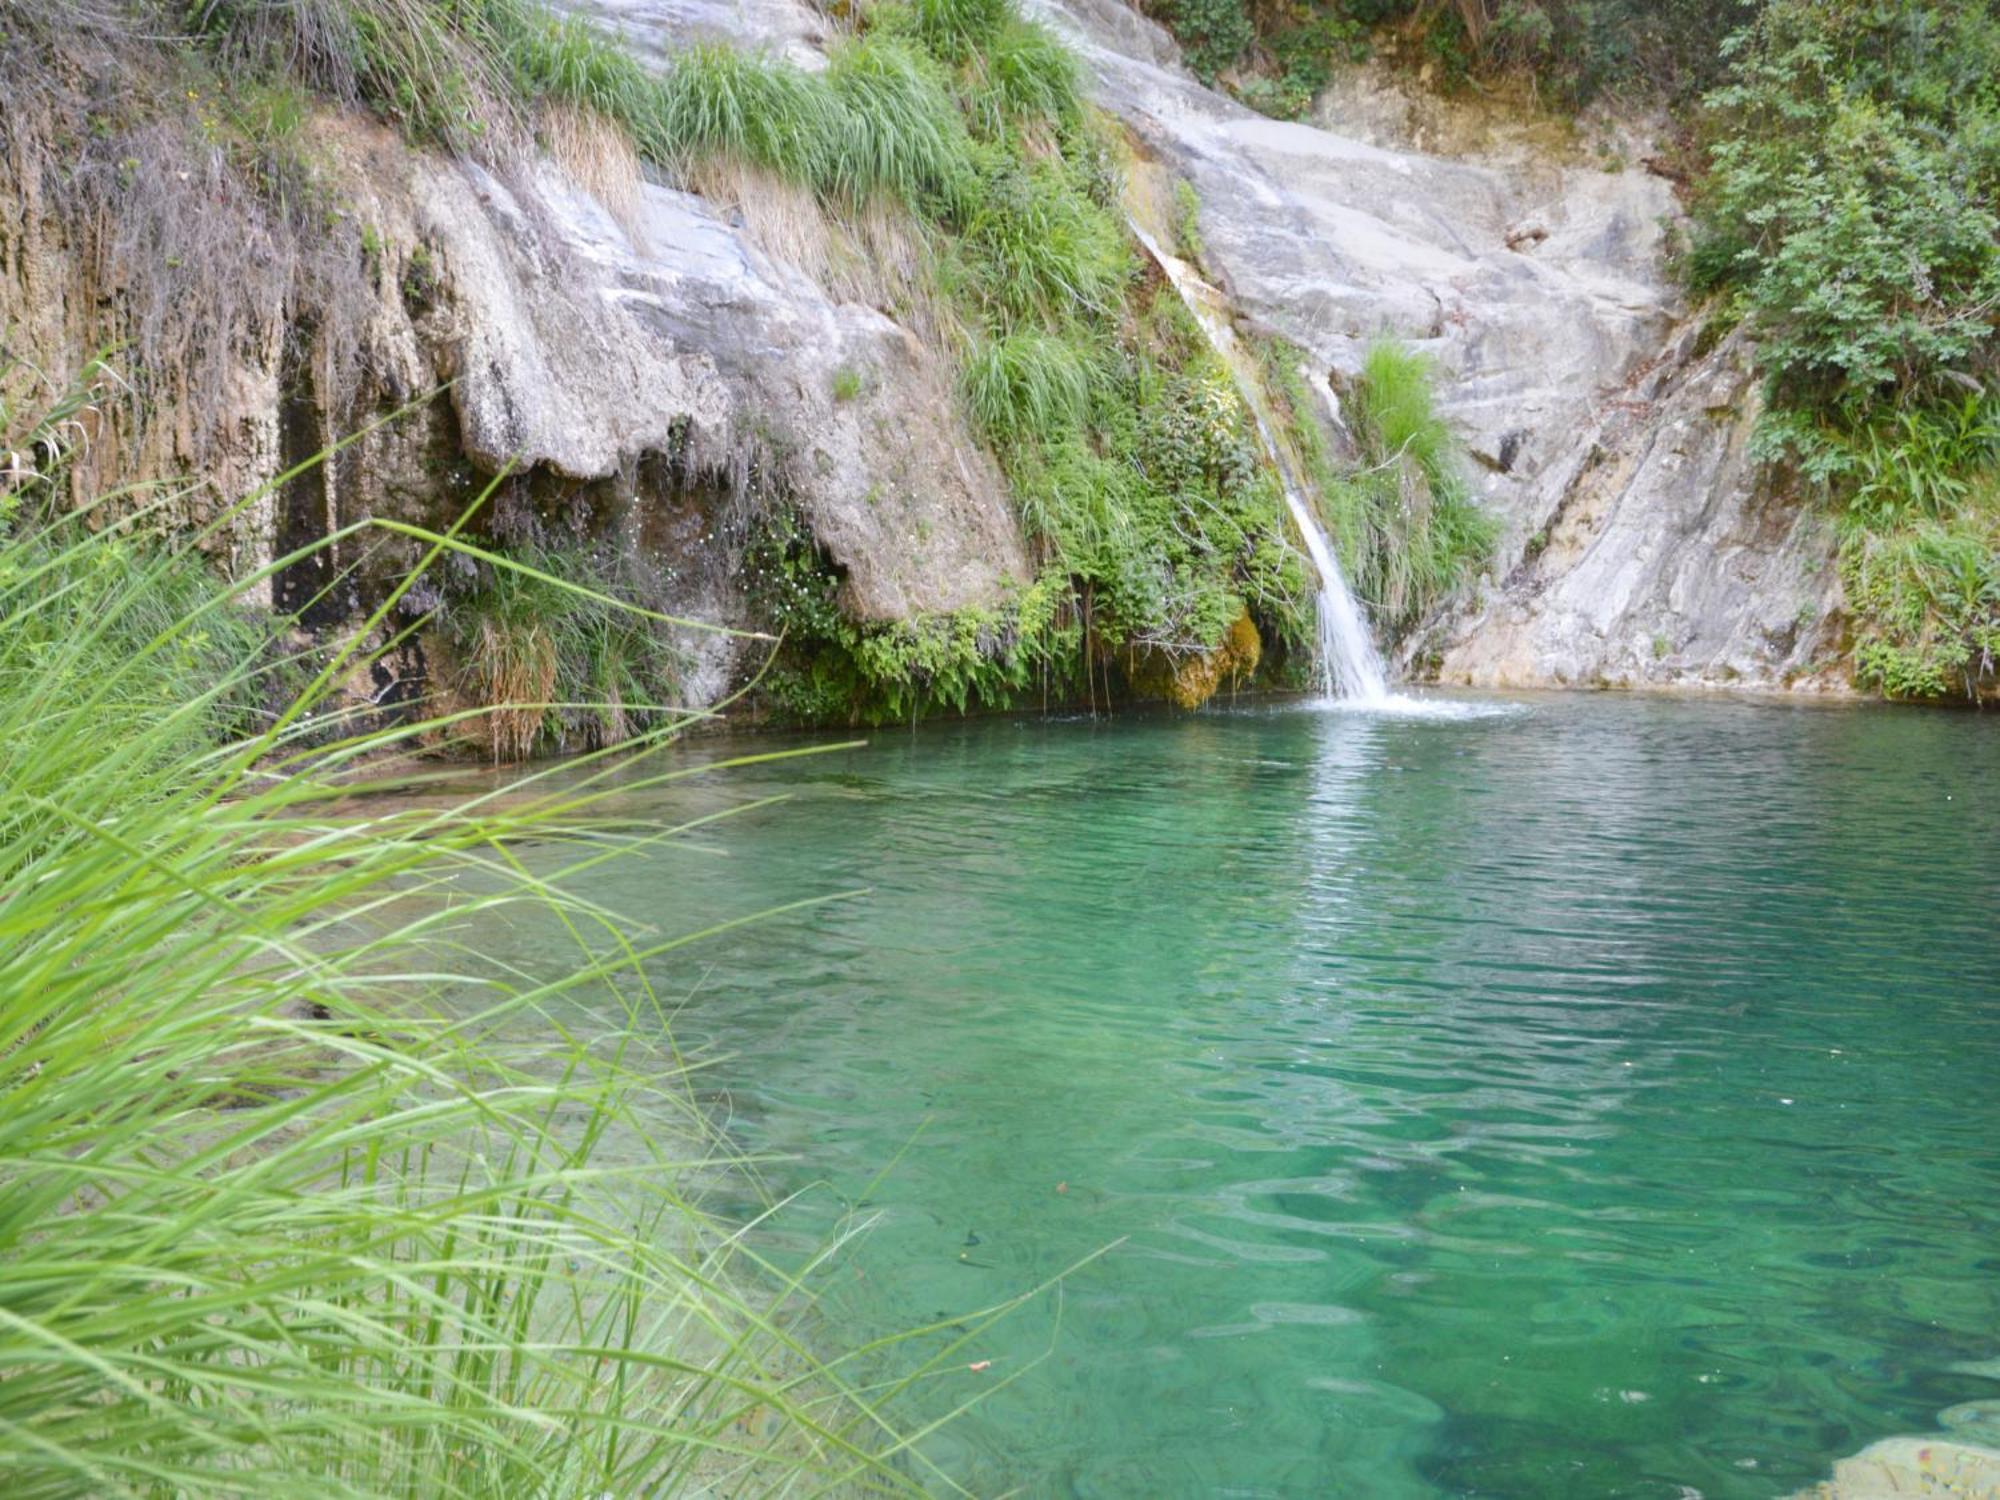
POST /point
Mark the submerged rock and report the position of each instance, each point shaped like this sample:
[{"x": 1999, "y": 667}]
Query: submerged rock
[{"x": 1901, "y": 1467}]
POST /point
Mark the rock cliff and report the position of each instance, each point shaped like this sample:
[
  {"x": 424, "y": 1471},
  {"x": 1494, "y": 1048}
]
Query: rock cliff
[{"x": 648, "y": 363}]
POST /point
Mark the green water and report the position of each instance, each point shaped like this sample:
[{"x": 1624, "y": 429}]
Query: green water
[{"x": 1598, "y": 1098}]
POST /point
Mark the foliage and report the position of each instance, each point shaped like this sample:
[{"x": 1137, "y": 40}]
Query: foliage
[
  {"x": 837, "y": 670},
  {"x": 301, "y": 1194},
  {"x": 1037, "y": 248},
  {"x": 1850, "y": 213},
  {"x": 554, "y": 659},
  {"x": 1851, "y": 221},
  {"x": 1027, "y": 384},
  {"x": 1277, "y": 57},
  {"x": 1926, "y": 599},
  {"x": 1403, "y": 518}
]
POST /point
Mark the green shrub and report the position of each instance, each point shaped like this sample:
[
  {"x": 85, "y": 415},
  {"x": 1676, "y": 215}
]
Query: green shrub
[
  {"x": 1277, "y": 57},
  {"x": 1849, "y": 213},
  {"x": 1925, "y": 598},
  {"x": 1213, "y": 34}
]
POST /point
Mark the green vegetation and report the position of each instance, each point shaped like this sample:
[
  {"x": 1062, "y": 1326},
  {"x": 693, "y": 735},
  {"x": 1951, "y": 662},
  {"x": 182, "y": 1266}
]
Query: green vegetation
[
  {"x": 1849, "y": 221},
  {"x": 1276, "y": 58},
  {"x": 961, "y": 124},
  {"x": 1130, "y": 455},
  {"x": 1846, "y": 196},
  {"x": 301, "y": 1192},
  {"x": 1187, "y": 222},
  {"x": 557, "y": 662},
  {"x": 1402, "y": 517}
]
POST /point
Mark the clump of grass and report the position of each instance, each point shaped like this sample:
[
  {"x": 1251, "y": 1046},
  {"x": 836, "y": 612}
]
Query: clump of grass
[
  {"x": 718, "y": 101},
  {"x": 1027, "y": 384},
  {"x": 556, "y": 663},
  {"x": 1402, "y": 516},
  {"x": 1024, "y": 75},
  {"x": 1187, "y": 221},
  {"x": 1924, "y": 592},
  {"x": 956, "y": 31},
  {"x": 904, "y": 138},
  {"x": 298, "y": 1192},
  {"x": 1039, "y": 249}
]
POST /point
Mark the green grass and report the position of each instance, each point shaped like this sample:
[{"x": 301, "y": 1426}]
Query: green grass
[
  {"x": 554, "y": 659},
  {"x": 1402, "y": 515},
  {"x": 1923, "y": 589},
  {"x": 1038, "y": 249},
  {"x": 904, "y": 137},
  {"x": 1027, "y": 384},
  {"x": 1024, "y": 76},
  {"x": 305, "y": 1187},
  {"x": 1406, "y": 522},
  {"x": 716, "y": 101}
]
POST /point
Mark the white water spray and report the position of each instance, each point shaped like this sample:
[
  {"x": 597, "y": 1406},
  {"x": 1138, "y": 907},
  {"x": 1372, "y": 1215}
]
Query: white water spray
[{"x": 1349, "y": 667}]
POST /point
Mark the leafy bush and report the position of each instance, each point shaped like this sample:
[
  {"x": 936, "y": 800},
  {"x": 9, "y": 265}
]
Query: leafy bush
[
  {"x": 1849, "y": 220},
  {"x": 1926, "y": 599},
  {"x": 1277, "y": 57}
]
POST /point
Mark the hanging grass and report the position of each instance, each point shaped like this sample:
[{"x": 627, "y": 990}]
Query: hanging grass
[
  {"x": 904, "y": 137},
  {"x": 1402, "y": 515}
]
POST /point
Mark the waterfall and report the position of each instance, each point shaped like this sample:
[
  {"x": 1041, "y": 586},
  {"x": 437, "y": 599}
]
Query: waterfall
[{"x": 1348, "y": 665}]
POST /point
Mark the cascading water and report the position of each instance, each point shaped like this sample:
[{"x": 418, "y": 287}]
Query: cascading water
[{"x": 1349, "y": 666}]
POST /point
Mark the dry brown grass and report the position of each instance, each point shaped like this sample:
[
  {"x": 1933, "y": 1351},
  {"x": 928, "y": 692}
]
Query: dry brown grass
[
  {"x": 878, "y": 254},
  {"x": 599, "y": 157}
]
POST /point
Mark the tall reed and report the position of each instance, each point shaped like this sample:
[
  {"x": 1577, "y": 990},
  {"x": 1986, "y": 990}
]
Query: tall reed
[{"x": 301, "y": 1193}]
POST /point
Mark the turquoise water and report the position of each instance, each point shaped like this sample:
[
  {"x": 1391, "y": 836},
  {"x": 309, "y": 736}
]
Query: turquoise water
[{"x": 1600, "y": 1097}]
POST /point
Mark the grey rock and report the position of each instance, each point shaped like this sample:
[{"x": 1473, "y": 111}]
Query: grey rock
[
  {"x": 1665, "y": 561},
  {"x": 1533, "y": 273}
]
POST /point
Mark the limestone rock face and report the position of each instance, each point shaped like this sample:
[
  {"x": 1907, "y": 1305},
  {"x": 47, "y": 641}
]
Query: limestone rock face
[
  {"x": 647, "y": 368},
  {"x": 1533, "y": 272},
  {"x": 585, "y": 347},
  {"x": 1664, "y": 561},
  {"x": 647, "y": 372}
]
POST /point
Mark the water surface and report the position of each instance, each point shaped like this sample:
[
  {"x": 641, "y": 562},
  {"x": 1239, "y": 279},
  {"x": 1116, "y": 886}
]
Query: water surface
[{"x": 1598, "y": 1098}]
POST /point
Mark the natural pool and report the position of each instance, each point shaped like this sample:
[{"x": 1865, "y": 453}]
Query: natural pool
[{"x": 1597, "y": 1096}]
